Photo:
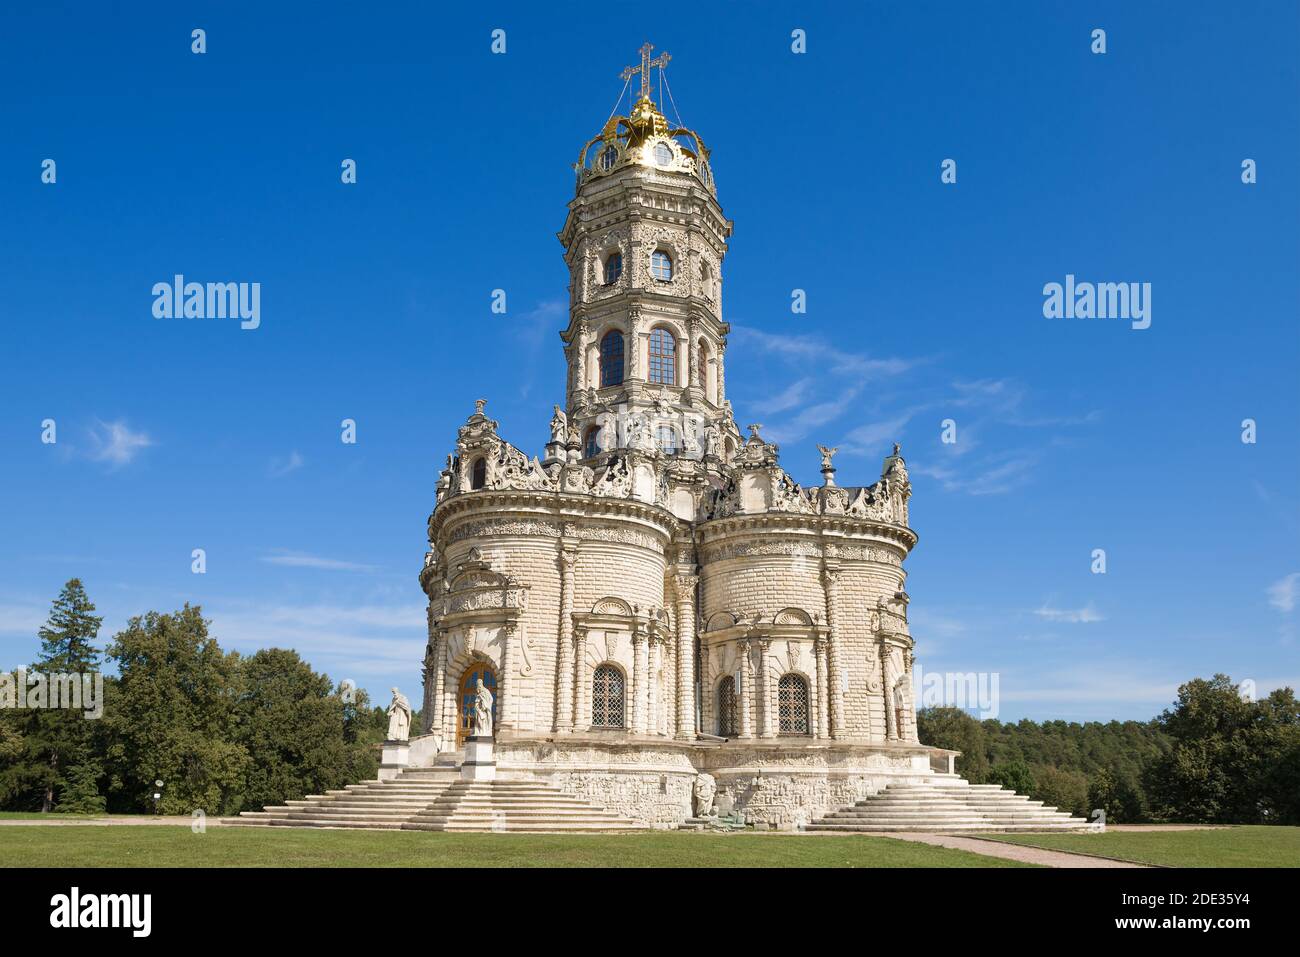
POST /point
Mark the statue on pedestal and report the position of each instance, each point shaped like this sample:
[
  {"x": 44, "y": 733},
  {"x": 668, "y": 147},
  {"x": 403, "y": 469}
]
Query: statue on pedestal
[
  {"x": 482, "y": 710},
  {"x": 399, "y": 718}
]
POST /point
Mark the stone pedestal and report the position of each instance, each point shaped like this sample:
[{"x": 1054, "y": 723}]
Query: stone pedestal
[
  {"x": 479, "y": 764},
  {"x": 396, "y": 756}
]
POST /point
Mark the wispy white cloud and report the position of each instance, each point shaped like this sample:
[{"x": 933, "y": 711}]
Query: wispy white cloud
[
  {"x": 116, "y": 443},
  {"x": 353, "y": 641},
  {"x": 784, "y": 400},
  {"x": 1085, "y": 615},
  {"x": 1284, "y": 592},
  {"x": 826, "y": 357},
  {"x": 304, "y": 560},
  {"x": 22, "y": 619},
  {"x": 281, "y": 467}
]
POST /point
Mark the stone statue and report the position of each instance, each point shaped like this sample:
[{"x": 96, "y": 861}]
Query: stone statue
[
  {"x": 482, "y": 710},
  {"x": 559, "y": 425},
  {"x": 399, "y": 718},
  {"x": 703, "y": 793},
  {"x": 711, "y": 440},
  {"x": 827, "y": 455}
]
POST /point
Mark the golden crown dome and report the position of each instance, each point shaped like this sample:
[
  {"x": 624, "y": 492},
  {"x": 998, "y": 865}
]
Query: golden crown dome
[{"x": 644, "y": 137}]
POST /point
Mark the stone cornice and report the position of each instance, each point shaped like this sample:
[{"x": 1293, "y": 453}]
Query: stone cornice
[
  {"x": 558, "y": 506},
  {"x": 819, "y": 526}
]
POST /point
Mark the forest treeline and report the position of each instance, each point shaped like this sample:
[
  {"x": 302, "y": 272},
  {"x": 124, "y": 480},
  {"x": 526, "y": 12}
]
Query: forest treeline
[
  {"x": 1213, "y": 757},
  {"x": 222, "y": 732},
  {"x": 225, "y": 732}
]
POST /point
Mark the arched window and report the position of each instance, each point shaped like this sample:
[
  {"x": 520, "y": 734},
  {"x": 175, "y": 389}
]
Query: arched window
[
  {"x": 792, "y": 704},
  {"x": 661, "y": 265},
  {"x": 666, "y": 439},
  {"x": 613, "y": 268},
  {"x": 607, "y": 698},
  {"x": 727, "y": 707},
  {"x": 663, "y": 154},
  {"x": 478, "y": 475},
  {"x": 608, "y": 157},
  {"x": 611, "y": 359},
  {"x": 591, "y": 444},
  {"x": 663, "y": 357},
  {"x": 706, "y": 281}
]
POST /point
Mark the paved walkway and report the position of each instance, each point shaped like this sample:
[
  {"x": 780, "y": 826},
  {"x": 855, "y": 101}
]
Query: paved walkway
[{"x": 1011, "y": 852}]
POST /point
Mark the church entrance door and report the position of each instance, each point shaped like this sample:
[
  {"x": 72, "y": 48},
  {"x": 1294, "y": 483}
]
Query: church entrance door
[{"x": 468, "y": 685}]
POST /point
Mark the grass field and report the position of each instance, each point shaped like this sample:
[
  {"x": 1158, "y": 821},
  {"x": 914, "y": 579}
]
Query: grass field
[
  {"x": 1226, "y": 847},
  {"x": 161, "y": 846}
]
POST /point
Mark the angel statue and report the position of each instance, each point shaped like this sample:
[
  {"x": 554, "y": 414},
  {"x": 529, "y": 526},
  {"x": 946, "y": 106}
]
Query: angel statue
[{"x": 827, "y": 455}]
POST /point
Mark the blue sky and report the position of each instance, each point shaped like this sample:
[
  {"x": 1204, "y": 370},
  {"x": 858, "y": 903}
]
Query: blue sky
[{"x": 924, "y": 303}]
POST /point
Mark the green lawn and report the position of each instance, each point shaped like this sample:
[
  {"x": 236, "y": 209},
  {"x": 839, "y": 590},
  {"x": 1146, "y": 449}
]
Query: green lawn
[
  {"x": 1226, "y": 847},
  {"x": 164, "y": 846}
]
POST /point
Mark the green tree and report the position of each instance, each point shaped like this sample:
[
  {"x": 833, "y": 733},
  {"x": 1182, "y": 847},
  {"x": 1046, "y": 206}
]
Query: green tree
[
  {"x": 56, "y": 740},
  {"x": 955, "y": 730},
  {"x": 1231, "y": 758},
  {"x": 1060, "y": 788},
  {"x": 172, "y": 716},
  {"x": 292, "y": 721},
  {"x": 1013, "y": 775}
]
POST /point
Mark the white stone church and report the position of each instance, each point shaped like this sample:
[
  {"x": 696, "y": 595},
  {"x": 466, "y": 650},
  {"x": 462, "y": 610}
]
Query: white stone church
[
  {"x": 663, "y": 617},
  {"x": 655, "y": 596}
]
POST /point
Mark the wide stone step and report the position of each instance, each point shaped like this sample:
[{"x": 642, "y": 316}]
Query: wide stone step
[{"x": 951, "y": 828}]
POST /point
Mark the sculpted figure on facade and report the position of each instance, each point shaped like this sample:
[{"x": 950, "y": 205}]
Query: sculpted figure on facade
[
  {"x": 482, "y": 710},
  {"x": 703, "y": 793},
  {"x": 399, "y": 717}
]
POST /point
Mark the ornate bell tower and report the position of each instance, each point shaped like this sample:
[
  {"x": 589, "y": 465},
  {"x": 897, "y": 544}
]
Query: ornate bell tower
[{"x": 644, "y": 241}]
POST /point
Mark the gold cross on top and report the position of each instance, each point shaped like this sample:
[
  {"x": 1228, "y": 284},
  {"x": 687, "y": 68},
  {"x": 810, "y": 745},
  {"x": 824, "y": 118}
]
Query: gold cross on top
[{"x": 660, "y": 61}]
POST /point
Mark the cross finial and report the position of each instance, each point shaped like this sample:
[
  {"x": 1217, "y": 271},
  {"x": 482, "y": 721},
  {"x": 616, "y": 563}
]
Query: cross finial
[{"x": 660, "y": 61}]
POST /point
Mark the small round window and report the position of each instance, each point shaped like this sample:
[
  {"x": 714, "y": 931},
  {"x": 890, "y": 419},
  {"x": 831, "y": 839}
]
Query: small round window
[{"x": 663, "y": 154}]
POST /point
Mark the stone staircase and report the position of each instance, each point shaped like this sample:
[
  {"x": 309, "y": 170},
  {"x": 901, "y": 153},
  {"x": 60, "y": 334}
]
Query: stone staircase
[
  {"x": 514, "y": 806},
  {"x": 435, "y": 799},
  {"x": 947, "y": 805},
  {"x": 381, "y": 804}
]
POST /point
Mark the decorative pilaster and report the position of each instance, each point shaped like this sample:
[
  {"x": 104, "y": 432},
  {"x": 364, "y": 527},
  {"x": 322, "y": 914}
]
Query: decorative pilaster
[
  {"x": 634, "y": 343},
  {"x": 693, "y": 356},
  {"x": 823, "y": 689},
  {"x": 564, "y": 655},
  {"x": 888, "y": 677},
  {"x": 742, "y": 688},
  {"x": 639, "y": 667},
  {"x": 584, "y": 379},
  {"x": 685, "y": 585},
  {"x": 835, "y": 676},
  {"x": 429, "y": 706},
  {"x": 440, "y": 679},
  {"x": 506, "y": 706},
  {"x": 652, "y": 695},
  {"x": 763, "y": 687},
  {"x": 581, "y": 708}
]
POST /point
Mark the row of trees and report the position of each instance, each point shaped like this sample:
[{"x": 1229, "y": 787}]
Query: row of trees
[
  {"x": 223, "y": 732},
  {"x": 1214, "y": 757}
]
